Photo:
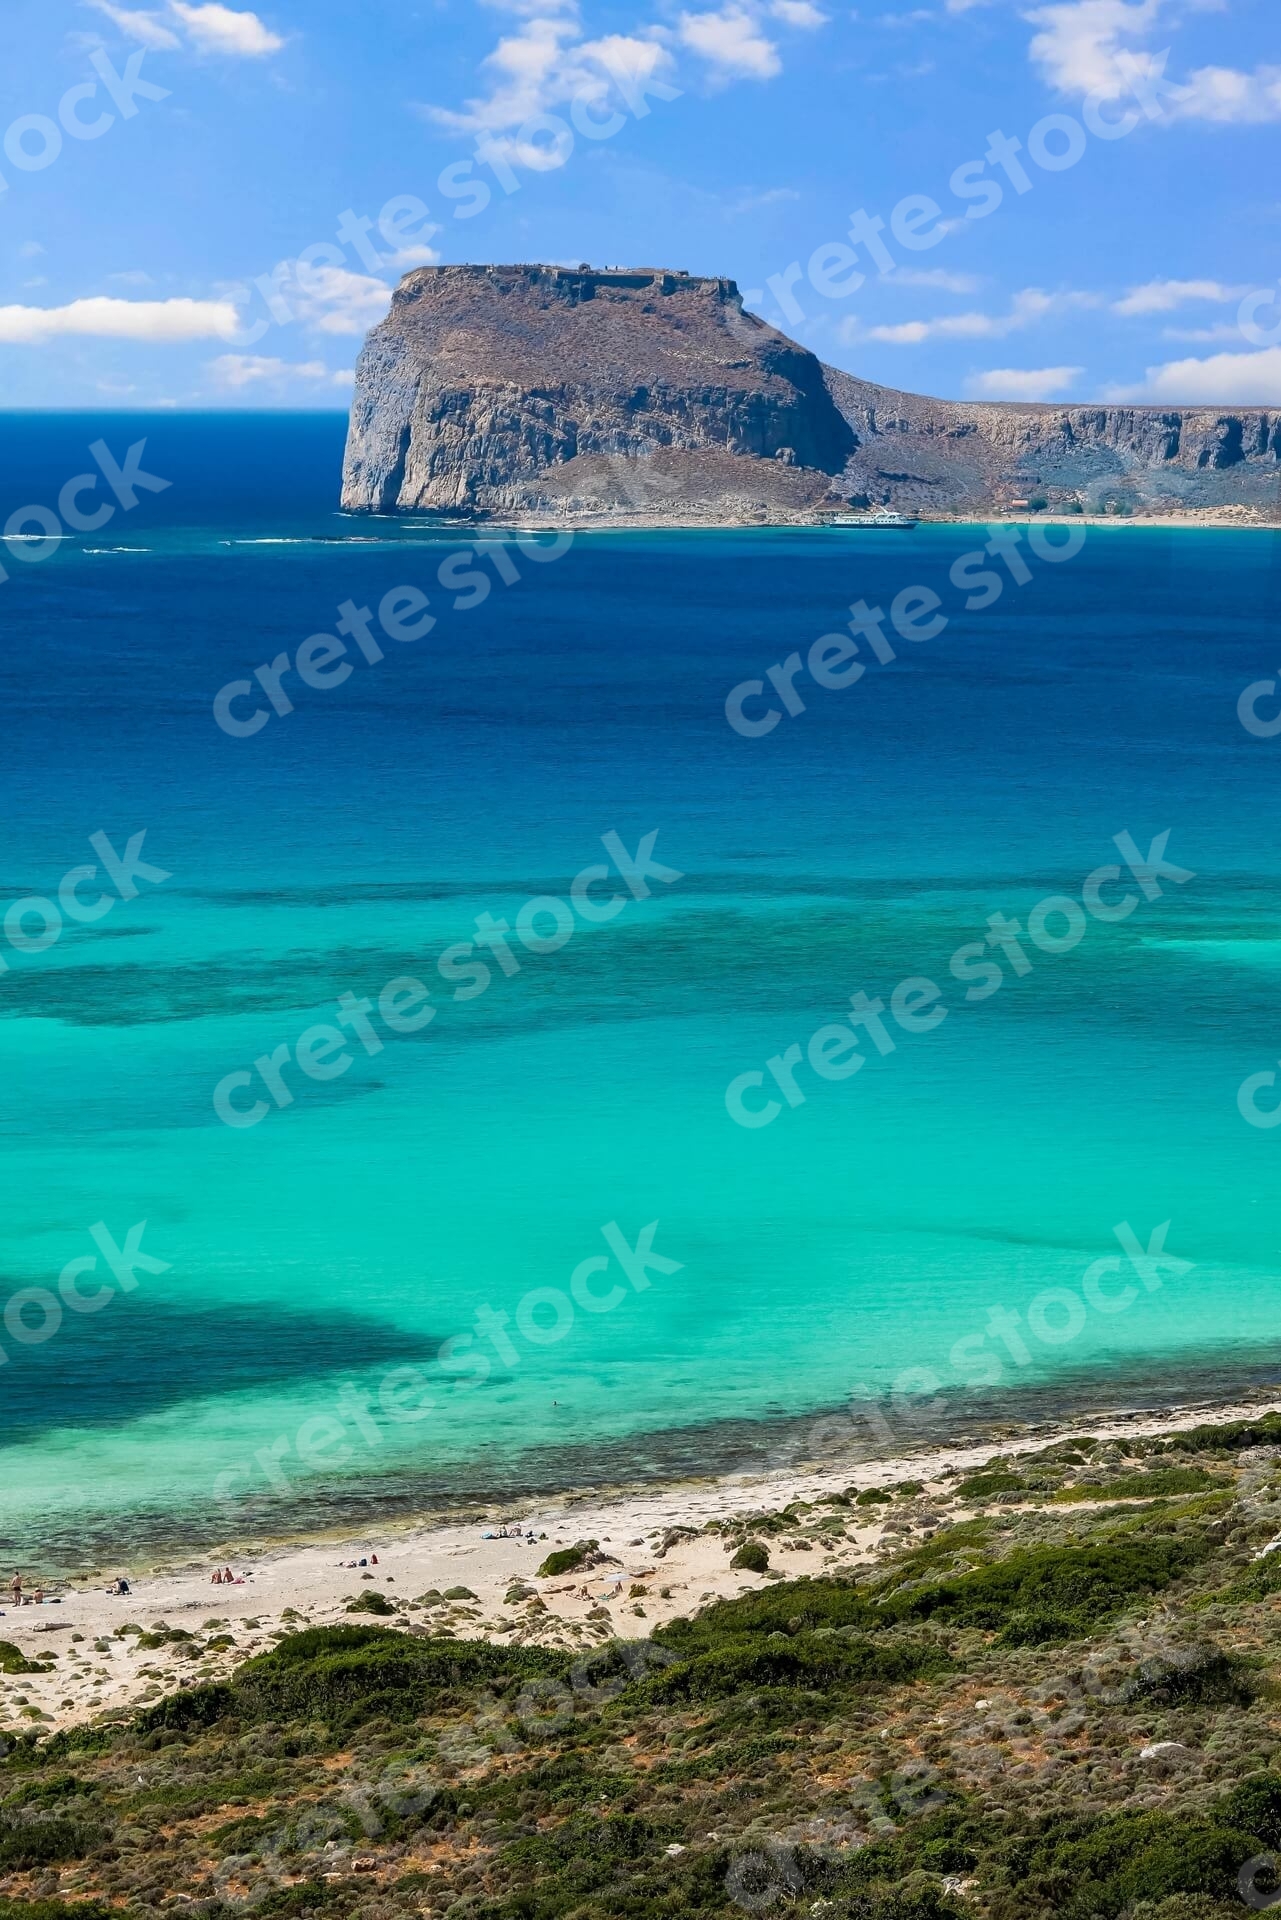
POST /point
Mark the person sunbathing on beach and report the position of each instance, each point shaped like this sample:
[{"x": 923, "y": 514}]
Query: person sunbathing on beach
[
  {"x": 216, "y": 1579},
  {"x": 15, "y": 1588}
]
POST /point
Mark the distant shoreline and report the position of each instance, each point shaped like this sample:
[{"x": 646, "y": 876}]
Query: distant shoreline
[{"x": 620, "y": 524}]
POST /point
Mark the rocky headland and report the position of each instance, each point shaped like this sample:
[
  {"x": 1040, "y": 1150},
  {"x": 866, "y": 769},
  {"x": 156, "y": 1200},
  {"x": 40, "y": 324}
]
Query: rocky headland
[{"x": 647, "y": 395}]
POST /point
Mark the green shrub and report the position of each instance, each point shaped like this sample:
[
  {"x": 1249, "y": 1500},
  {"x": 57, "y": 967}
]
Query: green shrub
[
  {"x": 1254, "y": 1805},
  {"x": 162, "y": 1637},
  {"x": 1036, "y": 1594},
  {"x": 1231, "y": 1436},
  {"x": 41, "y": 1843},
  {"x": 1158, "y": 1484},
  {"x": 346, "y": 1675},
  {"x": 1260, "y": 1579},
  {"x": 566, "y": 1559},
  {"x": 1197, "y": 1676},
  {"x": 1080, "y": 1585},
  {"x": 14, "y": 1660},
  {"x": 752, "y": 1557},
  {"x": 370, "y": 1602},
  {"x": 804, "y": 1661},
  {"x": 51, "y": 1792},
  {"x": 53, "y": 1910},
  {"x": 1037, "y": 1627},
  {"x": 981, "y": 1486},
  {"x": 1098, "y": 1869},
  {"x": 192, "y": 1707}
]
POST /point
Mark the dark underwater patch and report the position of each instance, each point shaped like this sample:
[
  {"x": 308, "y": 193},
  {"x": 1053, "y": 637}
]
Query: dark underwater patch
[
  {"x": 137, "y": 1357},
  {"x": 714, "y": 954}
]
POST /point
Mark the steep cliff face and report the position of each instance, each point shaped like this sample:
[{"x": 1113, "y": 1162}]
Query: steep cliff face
[
  {"x": 500, "y": 391},
  {"x": 485, "y": 386}
]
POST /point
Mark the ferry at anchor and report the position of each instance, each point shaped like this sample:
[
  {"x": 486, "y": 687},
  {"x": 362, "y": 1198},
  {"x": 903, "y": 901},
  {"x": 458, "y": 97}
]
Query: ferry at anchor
[{"x": 882, "y": 517}]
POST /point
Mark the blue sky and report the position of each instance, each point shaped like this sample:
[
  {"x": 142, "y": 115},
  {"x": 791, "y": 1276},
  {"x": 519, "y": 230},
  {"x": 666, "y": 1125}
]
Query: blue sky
[{"x": 190, "y": 250}]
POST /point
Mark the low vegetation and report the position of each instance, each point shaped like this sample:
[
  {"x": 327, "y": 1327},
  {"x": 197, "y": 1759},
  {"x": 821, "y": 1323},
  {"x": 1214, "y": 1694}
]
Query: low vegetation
[{"x": 1034, "y": 1708}]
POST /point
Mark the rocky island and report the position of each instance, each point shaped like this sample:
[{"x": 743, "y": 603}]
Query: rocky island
[{"x": 652, "y": 396}]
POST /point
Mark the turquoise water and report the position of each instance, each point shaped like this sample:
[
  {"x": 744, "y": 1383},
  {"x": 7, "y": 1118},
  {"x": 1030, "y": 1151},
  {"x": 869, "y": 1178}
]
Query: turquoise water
[{"x": 322, "y": 1255}]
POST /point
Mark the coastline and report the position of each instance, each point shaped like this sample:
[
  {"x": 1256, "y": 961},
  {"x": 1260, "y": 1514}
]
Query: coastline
[
  {"x": 657, "y": 1563},
  {"x": 856, "y": 1432},
  {"x": 1230, "y": 520}
]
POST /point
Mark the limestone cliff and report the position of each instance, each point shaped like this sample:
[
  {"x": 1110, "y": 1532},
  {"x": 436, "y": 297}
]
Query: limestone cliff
[
  {"x": 575, "y": 393},
  {"x": 947, "y": 456}
]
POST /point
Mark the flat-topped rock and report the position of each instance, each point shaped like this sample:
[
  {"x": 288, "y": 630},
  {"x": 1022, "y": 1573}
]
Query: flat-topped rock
[
  {"x": 642, "y": 393},
  {"x": 492, "y": 389}
]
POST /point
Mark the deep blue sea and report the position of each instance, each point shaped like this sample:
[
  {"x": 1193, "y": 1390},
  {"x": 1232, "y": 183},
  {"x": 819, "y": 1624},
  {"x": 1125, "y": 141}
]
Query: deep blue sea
[{"x": 403, "y": 1286}]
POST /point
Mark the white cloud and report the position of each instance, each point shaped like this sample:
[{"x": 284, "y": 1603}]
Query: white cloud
[
  {"x": 798, "y": 13},
  {"x": 238, "y": 370},
  {"x": 528, "y": 8},
  {"x": 771, "y": 197},
  {"x": 219, "y": 29},
  {"x": 106, "y": 319},
  {"x": 29, "y": 250},
  {"x": 732, "y": 44},
  {"x": 1203, "y": 336},
  {"x": 909, "y": 333},
  {"x": 414, "y": 255},
  {"x": 335, "y": 300},
  {"x": 148, "y": 29},
  {"x": 932, "y": 277},
  {"x": 1022, "y": 383},
  {"x": 546, "y": 63},
  {"x": 1079, "y": 41},
  {"x": 1224, "y": 379},
  {"x": 1089, "y": 46},
  {"x": 1025, "y": 310},
  {"x": 331, "y": 299},
  {"x": 1163, "y": 296},
  {"x": 211, "y": 27},
  {"x": 544, "y": 66},
  {"x": 1235, "y": 98},
  {"x": 531, "y": 68}
]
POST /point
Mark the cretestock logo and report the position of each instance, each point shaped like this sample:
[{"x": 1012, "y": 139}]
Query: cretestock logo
[
  {"x": 21, "y": 544},
  {"x": 33, "y": 141},
  {"x": 124, "y": 1265},
  {"x": 123, "y": 871},
  {"x": 544, "y": 1317}
]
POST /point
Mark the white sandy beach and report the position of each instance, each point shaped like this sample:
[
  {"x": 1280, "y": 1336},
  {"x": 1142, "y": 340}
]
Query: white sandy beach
[
  {"x": 649, "y": 1577},
  {"x": 1236, "y": 519}
]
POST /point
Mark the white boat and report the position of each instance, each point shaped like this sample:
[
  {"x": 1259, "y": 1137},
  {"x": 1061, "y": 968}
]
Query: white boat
[{"x": 882, "y": 517}]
